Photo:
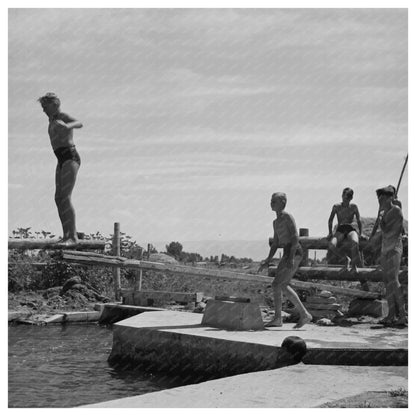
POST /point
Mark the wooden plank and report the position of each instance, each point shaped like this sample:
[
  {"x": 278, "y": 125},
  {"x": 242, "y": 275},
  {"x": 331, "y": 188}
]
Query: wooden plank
[
  {"x": 103, "y": 260},
  {"x": 159, "y": 296},
  {"x": 297, "y": 284},
  {"x": 52, "y": 244},
  {"x": 322, "y": 306}
]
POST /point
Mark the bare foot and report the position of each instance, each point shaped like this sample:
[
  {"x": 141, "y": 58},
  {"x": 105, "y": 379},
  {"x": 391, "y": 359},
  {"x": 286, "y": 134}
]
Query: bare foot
[
  {"x": 302, "y": 321},
  {"x": 274, "y": 323},
  {"x": 68, "y": 242}
]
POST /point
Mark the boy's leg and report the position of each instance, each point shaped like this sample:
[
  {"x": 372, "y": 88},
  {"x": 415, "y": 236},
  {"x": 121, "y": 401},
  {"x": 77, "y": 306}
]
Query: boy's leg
[
  {"x": 286, "y": 276},
  {"x": 277, "y": 294},
  {"x": 388, "y": 279},
  {"x": 58, "y": 201},
  {"x": 68, "y": 177},
  {"x": 333, "y": 248},
  {"x": 400, "y": 310},
  {"x": 356, "y": 260}
]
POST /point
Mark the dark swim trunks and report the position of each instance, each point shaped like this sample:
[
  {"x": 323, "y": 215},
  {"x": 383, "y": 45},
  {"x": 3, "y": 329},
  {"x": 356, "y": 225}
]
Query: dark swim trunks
[
  {"x": 345, "y": 229},
  {"x": 67, "y": 153}
]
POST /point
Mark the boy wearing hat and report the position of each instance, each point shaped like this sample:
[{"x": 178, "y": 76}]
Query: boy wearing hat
[
  {"x": 390, "y": 218},
  {"x": 285, "y": 233}
]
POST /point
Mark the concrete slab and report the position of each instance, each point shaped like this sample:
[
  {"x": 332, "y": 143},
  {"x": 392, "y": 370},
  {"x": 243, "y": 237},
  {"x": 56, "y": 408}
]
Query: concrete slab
[
  {"x": 299, "y": 386},
  {"x": 357, "y": 336},
  {"x": 176, "y": 341},
  {"x": 232, "y": 315}
]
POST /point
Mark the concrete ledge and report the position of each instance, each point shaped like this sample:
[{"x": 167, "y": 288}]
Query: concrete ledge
[
  {"x": 115, "y": 312},
  {"x": 357, "y": 356},
  {"x": 175, "y": 342},
  {"x": 158, "y": 298},
  {"x": 298, "y": 386},
  {"x": 59, "y": 318}
]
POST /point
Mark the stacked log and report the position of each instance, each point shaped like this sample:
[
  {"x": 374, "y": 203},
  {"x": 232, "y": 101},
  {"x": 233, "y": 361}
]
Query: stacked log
[{"x": 323, "y": 305}]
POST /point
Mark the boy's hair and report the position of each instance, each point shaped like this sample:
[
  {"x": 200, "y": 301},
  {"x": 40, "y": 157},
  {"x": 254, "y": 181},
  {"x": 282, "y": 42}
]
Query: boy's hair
[
  {"x": 49, "y": 97},
  {"x": 348, "y": 191},
  {"x": 280, "y": 195}
]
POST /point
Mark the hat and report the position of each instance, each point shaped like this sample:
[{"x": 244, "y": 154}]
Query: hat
[{"x": 389, "y": 190}]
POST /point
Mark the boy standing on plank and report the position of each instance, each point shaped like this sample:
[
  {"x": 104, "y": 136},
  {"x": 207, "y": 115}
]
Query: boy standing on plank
[{"x": 60, "y": 131}]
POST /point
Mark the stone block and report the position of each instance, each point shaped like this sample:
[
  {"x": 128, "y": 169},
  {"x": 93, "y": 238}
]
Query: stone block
[
  {"x": 374, "y": 307},
  {"x": 237, "y": 316}
]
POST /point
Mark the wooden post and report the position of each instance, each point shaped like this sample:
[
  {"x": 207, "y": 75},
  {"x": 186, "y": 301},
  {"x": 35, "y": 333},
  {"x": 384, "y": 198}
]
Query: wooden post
[
  {"x": 116, "y": 252},
  {"x": 149, "y": 246},
  {"x": 304, "y": 232}
]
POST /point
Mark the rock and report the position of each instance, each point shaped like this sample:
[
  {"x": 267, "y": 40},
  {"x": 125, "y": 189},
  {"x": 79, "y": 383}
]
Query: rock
[
  {"x": 69, "y": 283},
  {"x": 325, "y": 294},
  {"x": 318, "y": 313},
  {"x": 374, "y": 307},
  {"x": 52, "y": 292},
  {"x": 75, "y": 296},
  {"x": 324, "y": 322}
]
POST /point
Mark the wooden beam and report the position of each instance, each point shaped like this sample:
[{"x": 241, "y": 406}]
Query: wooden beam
[
  {"x": 321, "y": 243},
  {"x": 152, "y": 297},
  {"x": 52, "y": 244},
  {"x": 117, "y": 261},
  {"x": 297, "y": 284},
  {"x": 111, "y": 261},
  {"x": 340, "y": 274}
]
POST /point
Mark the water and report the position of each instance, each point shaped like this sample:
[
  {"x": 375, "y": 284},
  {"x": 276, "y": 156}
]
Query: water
[{"x": 66, "y": 366}]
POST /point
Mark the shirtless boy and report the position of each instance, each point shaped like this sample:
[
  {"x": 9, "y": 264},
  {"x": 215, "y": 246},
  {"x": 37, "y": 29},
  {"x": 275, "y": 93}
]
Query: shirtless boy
[
  {"x": 345, "y": 212},
  {"x": 60, "y": 132},
  {"x": 391, "y": 223},
  {"x": 285, "y": 233}
]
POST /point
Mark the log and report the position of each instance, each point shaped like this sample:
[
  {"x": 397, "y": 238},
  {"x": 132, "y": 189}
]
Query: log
[
  {"x": 370, "y": 274},
  {"x": 152, "y": 297},
  {"x": 321, "y": 243},
  {"x": 52, "y": 244},
  {"x": 297, "y": 284},
  {"x": 322, "y": 306},
  {"x": 94, "y": 259}
]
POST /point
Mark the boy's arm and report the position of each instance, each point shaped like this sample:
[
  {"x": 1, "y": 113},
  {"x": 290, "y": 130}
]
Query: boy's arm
[
  {"x": 273, "y": 248},
  {"x": 375, "y": 226},
  {"x": 70, "y": 122},
  {"x": 358, "y": 218},
  {"x": 294, "y": 238},
  {"x": 330, "y": 221}
]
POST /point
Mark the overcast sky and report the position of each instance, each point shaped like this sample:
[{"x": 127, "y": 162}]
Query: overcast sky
[{"x": 193, "y": 118}]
